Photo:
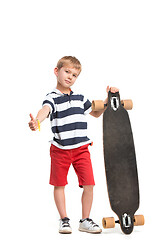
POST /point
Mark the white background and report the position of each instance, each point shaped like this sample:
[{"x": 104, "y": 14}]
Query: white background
[{"x": 117, "y": 43}]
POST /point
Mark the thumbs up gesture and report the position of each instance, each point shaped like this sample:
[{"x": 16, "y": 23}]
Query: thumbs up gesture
[{"x": 33, "y": 124}]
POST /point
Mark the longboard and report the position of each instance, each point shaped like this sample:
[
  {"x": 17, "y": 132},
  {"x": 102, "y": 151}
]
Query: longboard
[{"x": 120, "y": 166}]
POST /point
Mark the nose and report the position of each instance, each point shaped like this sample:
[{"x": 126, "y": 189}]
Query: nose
[{"x": 70, "y": 76}]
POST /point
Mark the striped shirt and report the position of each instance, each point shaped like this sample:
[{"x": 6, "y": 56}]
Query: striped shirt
[{"x": 68, "y": 120}]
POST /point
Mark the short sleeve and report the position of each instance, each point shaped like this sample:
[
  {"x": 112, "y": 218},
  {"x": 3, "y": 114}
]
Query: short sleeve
[
  {"x": 48, "y": 100},
  {"x": 87, "y": 106}
]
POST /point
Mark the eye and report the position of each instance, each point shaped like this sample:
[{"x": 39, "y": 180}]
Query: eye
[
  {"x": 74, "y": 75},
  {"x": 67, "y": 71}
]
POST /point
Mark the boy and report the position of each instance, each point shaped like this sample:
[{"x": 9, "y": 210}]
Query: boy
[{"x": 70, "y": 143}]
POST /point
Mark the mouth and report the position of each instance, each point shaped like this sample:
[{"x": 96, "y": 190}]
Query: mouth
[{"x": 67, "y": 81}]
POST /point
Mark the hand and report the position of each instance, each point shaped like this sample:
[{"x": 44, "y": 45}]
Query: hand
[
  {"x": 33, "y": 124},
  {"x": 112, "y": 89}
]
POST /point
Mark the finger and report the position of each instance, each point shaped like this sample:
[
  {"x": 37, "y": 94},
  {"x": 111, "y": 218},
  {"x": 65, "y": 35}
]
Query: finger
[
  {"x": 31, "y": 116},
  {"x": 107, "y": 89},
  {"x": 33, "y": 128},
  {"x": 112, "y": 90},
  {"x": 31, "y": 124}
]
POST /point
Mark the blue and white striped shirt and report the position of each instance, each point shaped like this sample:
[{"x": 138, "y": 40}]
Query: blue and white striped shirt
[{"x": 68, "y": 120}]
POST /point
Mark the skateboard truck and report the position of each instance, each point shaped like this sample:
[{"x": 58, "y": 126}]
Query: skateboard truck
[
  {"x": 98, "y": 105},
  {"x": 126, "y": 220}
]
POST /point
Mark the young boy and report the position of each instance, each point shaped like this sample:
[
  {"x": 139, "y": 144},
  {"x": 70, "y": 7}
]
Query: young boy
[{"x": 70, "y": 143}]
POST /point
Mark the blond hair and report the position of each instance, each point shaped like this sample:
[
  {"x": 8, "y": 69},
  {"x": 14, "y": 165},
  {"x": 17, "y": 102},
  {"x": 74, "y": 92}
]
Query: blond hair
[{"x": 69, "y": 61}]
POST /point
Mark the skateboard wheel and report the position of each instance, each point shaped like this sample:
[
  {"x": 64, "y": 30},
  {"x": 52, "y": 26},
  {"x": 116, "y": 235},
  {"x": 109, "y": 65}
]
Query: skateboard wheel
[
  {"x": 138, "y": 220},
  {"x": 97, "y": 105},
  {"x": 127, "y": 104},
  {"x": 108, "y": 222}
]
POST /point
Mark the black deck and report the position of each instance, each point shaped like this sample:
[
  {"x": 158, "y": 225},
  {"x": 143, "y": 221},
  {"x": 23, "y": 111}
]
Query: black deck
[{"x": 120, "y": 163}]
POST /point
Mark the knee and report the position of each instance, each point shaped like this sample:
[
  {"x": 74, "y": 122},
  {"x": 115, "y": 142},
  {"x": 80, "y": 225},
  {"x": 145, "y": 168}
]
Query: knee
[
  {"x": 88, "y": 188},
  {"x": 59, "y": 188}
]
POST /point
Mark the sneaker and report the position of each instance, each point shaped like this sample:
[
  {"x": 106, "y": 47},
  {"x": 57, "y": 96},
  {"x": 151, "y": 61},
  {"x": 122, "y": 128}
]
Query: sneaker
[
  {"x": 87, "y": 225},
  {"x": 64, "y": 226}
]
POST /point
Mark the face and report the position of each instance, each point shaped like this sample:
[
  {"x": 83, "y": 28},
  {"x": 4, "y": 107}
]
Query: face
[{"x": 66, "y": 76}]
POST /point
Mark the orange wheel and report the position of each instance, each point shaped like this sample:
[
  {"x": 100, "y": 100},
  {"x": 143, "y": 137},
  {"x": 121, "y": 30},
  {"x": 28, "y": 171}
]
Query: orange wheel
[
  {"x": 138, "y": 220},
  {"x": 127, "y": 104},
  {"x": 108, "y": 222},
  {"x": 97, "y": 105}
]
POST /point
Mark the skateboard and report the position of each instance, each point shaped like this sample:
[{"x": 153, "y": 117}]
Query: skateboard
[{"x": 120, "y": 163}]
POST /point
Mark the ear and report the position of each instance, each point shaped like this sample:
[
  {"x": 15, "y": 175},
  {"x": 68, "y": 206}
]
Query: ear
[{"x": 56, "y": 71}]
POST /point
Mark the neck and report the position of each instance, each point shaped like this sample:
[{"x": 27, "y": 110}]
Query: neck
[{"x": 63, "y": 89}]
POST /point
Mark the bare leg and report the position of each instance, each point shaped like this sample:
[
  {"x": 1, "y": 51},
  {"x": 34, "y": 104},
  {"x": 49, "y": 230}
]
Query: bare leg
[
  {"x": 87, "y": 199},
  {"x": 59, "y": 197}
]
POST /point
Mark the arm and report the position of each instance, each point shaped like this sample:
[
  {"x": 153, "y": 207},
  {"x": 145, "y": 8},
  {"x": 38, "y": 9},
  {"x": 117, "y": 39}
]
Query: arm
[
  {"x": 41, "y": 116},
  {"x": 99, "y": 113}
]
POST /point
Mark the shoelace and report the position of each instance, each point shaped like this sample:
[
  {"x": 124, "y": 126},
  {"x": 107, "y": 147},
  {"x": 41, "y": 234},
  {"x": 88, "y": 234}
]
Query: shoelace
[
  {"x": 65, "y": 222},
  {"x": 91, "y": 222}
]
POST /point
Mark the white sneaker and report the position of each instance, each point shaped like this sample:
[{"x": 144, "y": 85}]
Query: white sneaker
[
  {"x": 87, "y": 225},
  {"x": 64, "y": 226}
]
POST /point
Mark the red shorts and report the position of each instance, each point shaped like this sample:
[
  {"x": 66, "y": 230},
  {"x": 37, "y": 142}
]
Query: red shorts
[{"x": 61, "y": 161}]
